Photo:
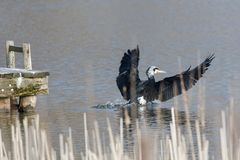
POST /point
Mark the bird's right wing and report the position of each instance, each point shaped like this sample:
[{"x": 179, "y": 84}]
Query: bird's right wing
[
  {"x": 172, "y": 86},
  {"x": 128, "y": 77}
]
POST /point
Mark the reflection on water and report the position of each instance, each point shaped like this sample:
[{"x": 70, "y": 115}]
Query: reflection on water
[
  {"x": 10, "y": 119},
  {"x": 151, "y": 119}
]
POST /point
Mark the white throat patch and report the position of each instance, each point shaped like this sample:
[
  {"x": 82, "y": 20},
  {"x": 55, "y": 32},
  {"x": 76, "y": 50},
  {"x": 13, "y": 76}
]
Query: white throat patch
[{"x": 141, "y": 100}]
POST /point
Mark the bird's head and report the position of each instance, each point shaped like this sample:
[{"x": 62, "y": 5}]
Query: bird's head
[{"x": 153, "y": 70}]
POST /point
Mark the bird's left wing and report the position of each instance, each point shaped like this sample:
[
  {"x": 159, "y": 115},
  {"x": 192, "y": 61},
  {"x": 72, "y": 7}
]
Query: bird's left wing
[
  {"x": 172, "y": 86},
  {"x": 128, "y": 76}
]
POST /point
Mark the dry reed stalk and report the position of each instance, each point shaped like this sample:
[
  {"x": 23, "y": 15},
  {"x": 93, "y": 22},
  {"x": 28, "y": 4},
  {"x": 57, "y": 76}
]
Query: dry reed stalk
[
  {"x": 172, "y": 147},
  {"x": 186, "y": 102},
  {"x": 201, "y": 105},
  {"x": 35, "y": 144}
]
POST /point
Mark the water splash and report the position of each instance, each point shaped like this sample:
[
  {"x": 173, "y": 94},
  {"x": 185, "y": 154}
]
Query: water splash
[
  {"x": 111, "y": 105},
  {"x": 121, "y": 103}
]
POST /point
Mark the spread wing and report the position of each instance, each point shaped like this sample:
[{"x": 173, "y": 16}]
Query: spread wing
[
  {"x": 128, "y": 77},
  {"x": 171, "y": 86}
]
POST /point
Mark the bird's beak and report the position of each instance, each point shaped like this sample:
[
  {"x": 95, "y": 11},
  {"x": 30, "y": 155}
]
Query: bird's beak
[{"x": 160, "y": 71}]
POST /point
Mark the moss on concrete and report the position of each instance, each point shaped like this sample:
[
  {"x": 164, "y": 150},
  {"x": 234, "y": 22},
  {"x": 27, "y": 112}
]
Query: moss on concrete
[{"x": 31, "y": 89}]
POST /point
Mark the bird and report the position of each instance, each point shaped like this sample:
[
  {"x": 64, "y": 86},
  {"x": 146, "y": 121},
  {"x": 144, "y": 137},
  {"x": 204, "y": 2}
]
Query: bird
[{"x": 133, "y": 89}]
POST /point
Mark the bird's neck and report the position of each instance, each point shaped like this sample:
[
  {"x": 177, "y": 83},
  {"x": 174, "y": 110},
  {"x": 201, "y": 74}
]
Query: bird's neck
[{"x": 151, "y": 78}]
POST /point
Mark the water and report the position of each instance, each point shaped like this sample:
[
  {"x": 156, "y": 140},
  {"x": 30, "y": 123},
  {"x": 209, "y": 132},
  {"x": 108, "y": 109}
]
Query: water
[{"x": 81, "y": 44}]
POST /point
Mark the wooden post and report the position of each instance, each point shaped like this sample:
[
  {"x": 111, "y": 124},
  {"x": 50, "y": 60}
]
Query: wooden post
[
  {"x": 4, "y": 104},
  {"x": 11, "y": 63},
  {"x": 27, "y": 103},
  {"x": 27, "y": 56},
  {"x": 10, "y": 55}
]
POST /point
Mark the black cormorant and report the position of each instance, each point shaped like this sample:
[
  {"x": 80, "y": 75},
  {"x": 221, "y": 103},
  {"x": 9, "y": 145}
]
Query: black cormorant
[{"x": 136, "y": 90}]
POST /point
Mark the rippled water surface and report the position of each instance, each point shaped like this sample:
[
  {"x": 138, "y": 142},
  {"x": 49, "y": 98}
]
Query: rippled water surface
[{"x": 81, "y": 42}]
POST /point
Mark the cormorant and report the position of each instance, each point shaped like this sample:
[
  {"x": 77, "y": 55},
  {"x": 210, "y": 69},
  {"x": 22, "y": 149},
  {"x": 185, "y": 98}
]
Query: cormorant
[{"x": 136, "y": 90}]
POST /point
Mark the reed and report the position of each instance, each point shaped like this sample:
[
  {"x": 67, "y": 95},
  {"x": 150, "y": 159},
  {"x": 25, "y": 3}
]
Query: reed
[
  {"x": 172, "y": 147},
  {"x": 31, "y": 143},
  {"x": 34, "y": 145}
]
